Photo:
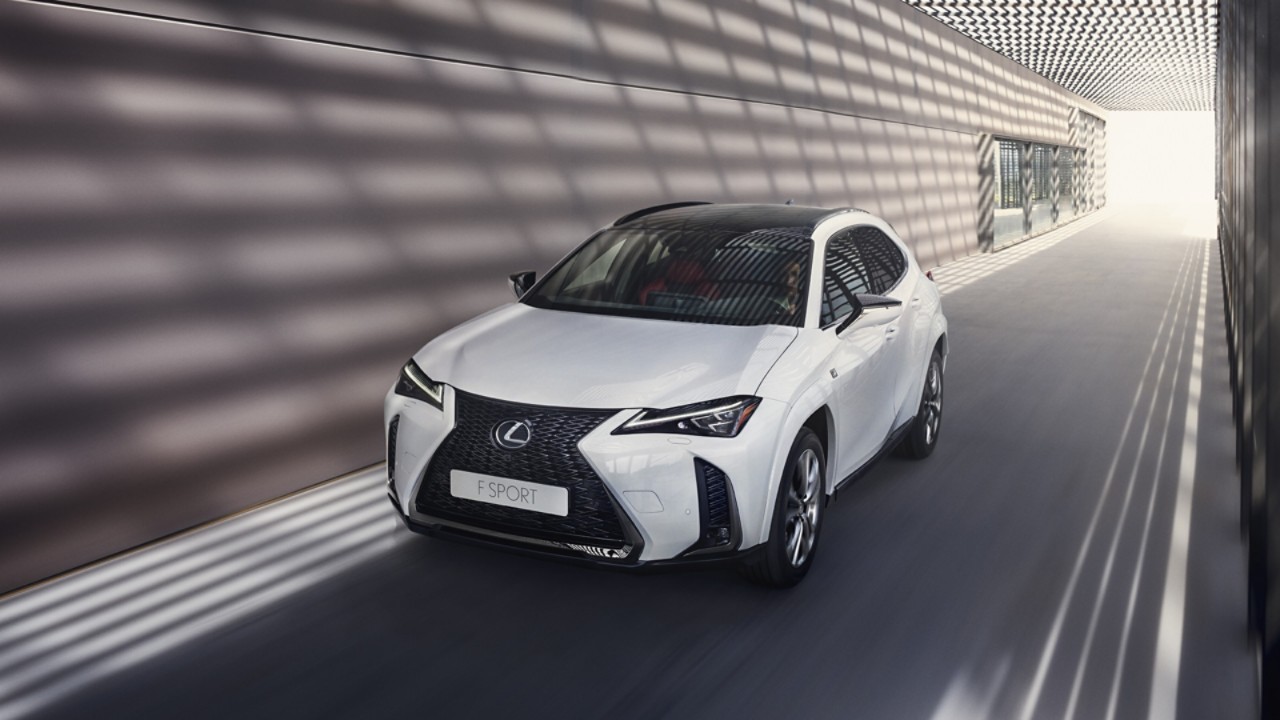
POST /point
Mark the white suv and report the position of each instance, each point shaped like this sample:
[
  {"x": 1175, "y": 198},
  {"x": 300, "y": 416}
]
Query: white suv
[{"x": 689, "y": 384}]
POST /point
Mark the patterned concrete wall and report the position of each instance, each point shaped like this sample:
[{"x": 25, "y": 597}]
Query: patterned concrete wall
[{"x": 223, "y": 225}]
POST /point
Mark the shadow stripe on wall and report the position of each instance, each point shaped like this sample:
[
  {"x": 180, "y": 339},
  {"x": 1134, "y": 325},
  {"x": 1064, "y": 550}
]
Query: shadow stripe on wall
[{"x": 216, "y": 248}]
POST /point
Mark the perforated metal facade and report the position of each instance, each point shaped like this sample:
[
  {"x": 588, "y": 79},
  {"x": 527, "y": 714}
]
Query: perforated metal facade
[{"x": 1121, "y": 54}]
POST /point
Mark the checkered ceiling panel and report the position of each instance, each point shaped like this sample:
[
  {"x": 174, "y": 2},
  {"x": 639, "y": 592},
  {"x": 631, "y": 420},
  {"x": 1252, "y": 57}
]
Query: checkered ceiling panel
[{"x": 1121, "y": 54}]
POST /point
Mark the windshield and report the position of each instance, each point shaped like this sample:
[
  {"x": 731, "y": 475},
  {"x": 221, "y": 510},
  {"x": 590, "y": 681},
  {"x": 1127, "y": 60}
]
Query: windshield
[{"x": 723, "y": 278}]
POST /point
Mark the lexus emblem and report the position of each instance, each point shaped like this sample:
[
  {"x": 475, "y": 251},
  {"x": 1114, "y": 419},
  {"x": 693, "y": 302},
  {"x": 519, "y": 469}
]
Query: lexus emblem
[{"x": 512, "y": 434}]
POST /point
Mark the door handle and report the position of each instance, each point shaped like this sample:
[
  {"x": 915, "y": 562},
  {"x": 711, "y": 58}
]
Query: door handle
[
  {"x": 915, "y": 301},
  {"x": 890, "y": 331}
]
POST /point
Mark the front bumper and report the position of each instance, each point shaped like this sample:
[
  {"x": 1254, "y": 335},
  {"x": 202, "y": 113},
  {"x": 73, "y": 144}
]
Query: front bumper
[
  {"x": 522, "y": 546},
  {"x": 662, "y": 489}
]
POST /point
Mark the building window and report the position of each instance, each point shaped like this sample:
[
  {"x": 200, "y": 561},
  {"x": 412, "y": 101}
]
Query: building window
[
  {"x": 1041, "y": 162},
  {"x": 1010, "y": 177},
  {"x": 1065, "y": 165}
]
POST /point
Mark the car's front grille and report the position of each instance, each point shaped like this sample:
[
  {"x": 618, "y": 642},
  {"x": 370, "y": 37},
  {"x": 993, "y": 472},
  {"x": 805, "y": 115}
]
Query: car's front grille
[{"x": 551, "y": 457}]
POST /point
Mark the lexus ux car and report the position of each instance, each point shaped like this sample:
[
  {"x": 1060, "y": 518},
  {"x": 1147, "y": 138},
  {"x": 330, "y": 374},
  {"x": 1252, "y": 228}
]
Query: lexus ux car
[{"x": 689, "y": 384}]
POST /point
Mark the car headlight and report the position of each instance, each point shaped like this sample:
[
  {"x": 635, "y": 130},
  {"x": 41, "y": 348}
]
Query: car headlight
[
  {"x": 415, "y": 384},
  {"x": 717, "y": 418}
]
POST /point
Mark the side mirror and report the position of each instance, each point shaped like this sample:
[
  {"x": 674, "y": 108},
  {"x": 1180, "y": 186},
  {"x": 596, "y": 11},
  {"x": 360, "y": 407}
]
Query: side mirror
[
  {"x": 869, "y": 301},
  {"x": 522, "y": 281},
  {"x": 863, "y": 302},
  {"x": 853, "y": 315}
]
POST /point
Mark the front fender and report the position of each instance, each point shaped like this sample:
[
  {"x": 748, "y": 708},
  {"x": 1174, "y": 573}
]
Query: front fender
[{"x": 814, "y": 398}]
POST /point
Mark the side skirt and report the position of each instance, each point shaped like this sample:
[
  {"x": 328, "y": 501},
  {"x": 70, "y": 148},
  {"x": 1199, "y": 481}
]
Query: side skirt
[{"x": 890, "y": 443}]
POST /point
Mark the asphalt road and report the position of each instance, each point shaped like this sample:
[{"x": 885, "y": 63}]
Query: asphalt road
[{"x": 1070, "y": 550}]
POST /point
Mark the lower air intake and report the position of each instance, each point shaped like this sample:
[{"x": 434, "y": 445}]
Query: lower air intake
[
  {"x": 715, "y": 505},
  {"x": 392, "y": 430}
]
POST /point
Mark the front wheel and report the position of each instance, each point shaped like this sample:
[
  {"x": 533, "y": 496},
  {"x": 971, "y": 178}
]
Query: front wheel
[
  {"x": 923, "y": 436},
  {"x": 785, "y": 558}
]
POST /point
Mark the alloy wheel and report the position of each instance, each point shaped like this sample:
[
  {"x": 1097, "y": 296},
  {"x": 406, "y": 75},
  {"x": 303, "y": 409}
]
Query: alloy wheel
[
  {"x": 804, "y": 495},
  {"x": 932, "y": 403}
]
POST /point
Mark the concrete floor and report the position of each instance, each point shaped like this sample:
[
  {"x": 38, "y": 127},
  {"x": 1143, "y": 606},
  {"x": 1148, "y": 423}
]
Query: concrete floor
[{"x": 1070, "y": 550}]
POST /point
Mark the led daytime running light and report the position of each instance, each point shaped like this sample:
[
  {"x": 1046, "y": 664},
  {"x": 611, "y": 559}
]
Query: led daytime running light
[
  {"x": 414, "y": 383},
  {"x": 641, "y": 421},
  {"x": 718, "y": 418}
]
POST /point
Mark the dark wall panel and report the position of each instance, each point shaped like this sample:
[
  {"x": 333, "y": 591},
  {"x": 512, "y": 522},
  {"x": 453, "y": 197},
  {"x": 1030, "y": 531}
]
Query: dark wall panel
[
  {"x": 1248, "y": 227},
  {"x": 216, "y": 247}
]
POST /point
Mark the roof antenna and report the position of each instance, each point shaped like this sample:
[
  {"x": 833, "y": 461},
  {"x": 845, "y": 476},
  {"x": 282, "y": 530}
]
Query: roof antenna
[{"x": 790, "y": 201}]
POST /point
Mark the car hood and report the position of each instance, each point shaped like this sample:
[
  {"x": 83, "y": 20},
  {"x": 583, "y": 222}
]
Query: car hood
[{"x": 569, "y": 359}]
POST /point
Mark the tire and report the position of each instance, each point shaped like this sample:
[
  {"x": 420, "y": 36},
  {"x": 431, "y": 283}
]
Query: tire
[
  {"x": 786, "y": 557},
  {"x": 923, "y": 436}
]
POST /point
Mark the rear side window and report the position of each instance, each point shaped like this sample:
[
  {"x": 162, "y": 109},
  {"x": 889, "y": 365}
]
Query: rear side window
[
  {"x": 884, "y": 262},
  {"x": 858, "y": 260}
]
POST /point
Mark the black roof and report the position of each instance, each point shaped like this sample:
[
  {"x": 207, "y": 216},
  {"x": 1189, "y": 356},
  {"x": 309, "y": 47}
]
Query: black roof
[{"x": 728, "y": 218}]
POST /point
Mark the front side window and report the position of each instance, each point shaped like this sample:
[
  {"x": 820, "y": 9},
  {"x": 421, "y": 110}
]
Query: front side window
[
  {"x": 858, "y": 260},
  {"x": 843, "y": 276},
  {"x": 722, "y": 278}
]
